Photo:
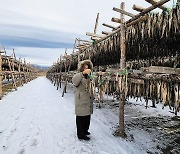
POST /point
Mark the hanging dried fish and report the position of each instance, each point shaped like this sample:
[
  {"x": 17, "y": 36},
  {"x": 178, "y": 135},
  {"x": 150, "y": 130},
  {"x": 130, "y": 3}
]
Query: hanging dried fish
[{"x": 177, "y": 97}]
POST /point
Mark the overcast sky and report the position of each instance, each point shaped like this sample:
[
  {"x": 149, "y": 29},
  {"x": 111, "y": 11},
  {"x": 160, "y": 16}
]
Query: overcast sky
[{"x": 40, "y": 30}]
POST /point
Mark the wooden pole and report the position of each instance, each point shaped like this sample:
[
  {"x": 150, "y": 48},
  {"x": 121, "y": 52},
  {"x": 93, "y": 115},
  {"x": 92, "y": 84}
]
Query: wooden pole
[
  {"x": 24, "y": 80},
  {"x": 0, "y": 77},
  {"x": 25, "y": 75},
  {"x": 66, "y": 70},
  {"x": 65, "y": 86},
  {"x": 96, "y": 24},
  {"x": 94, "y": 35},
  {"x": 13, "y": 64},
  {"x": 60, "y": 74},
  {"x": 138, "y": 8},
  {"x": 74, "y": 44},
  {"x": 80, "y": 48},
  {"x": 117, "y": 20},
  {"x": 87, "y": 43},
  {"x": 109, "y": 26},
  {"x": 14, "y": 55},
  {"x": 105, "y": 33},
  {"x": 123, "y": 12},
  {"x": 84, "y": 41},
  {"x": 147, "y": 10},
  {"x": 94, "y": 38},
  {"x": 122, "y": 66},
  {"x": 123, "y": 45},
  {"x": 19, "y": 71},
  {"x": 81, "y": 45},
  {"x": 153, "y": 2}
]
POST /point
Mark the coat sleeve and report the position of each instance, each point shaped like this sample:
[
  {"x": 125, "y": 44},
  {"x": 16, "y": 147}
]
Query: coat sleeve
[{"x": 77, "y": 79}]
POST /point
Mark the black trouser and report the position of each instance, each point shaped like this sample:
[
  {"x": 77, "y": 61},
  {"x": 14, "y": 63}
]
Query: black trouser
[{"x": 82, "y": 124}]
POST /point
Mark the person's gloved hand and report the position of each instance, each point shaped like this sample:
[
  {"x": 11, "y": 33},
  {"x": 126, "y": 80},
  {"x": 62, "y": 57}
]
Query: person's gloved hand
[{"x": 87, "y": 71}]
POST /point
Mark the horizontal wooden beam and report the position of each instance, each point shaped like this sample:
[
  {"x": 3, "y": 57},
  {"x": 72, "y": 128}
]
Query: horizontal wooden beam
[
  {"x": 160, "y": 69},
  {"x": 153, "y": 2},
  {"x": 95, "y": 38},
  {"x": 147, "y": 10},
  {"x": 87, "y": 43},
  {"x": 138, "y": 8},
  {"x": 123, "y": 12},
  {"x": 117, "y": 20},
  {"x": 109, "y": 26},
  {"x": 84, "y": 41},
  {"x": 94, "y": 35},
  {"x": 81, "y": 45},
  {"x": 106, "y": 33},
  {"x": 82, "y": 48}
]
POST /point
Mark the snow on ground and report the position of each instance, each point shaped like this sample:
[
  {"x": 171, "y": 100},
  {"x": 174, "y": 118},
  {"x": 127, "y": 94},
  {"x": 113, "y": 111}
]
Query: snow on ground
[
  {"x": 153, "y": 111},
  {"x": 35, "y": 119}
]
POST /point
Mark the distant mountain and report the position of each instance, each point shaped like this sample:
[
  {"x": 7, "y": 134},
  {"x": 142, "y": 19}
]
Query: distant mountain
[
  {"x": 29, "y": 42},
  {"x": 39, "y": 67}
]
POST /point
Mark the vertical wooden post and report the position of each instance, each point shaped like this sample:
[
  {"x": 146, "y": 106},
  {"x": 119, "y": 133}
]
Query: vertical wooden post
[
  {"x": 12, "y": 74},
  {"x": 0, "y": 76},
  {"x": 64, "y": 90},
  {"x": 60, "y": 73},
  {"x": 58, "y": 79},
  {"x": 79, "y": 59},
  {"x": 55, "y": 76},
  {"x": 74, "y": 45},
  {"x": 96, "y": 24},
  {"x": 67, "y": 74},
  {"x": 20, "y": 75},
  {"x": 24, "y": 74},
  {"x": 65, "y": 63},
  {"x": 122, "y": 66},
  {"x": 25, "y": 70},
  {"x": 123, "y": 44}
]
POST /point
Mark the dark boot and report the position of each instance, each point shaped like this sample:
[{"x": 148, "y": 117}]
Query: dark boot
[
  {"x": 87, "y": 133},
  {"x": 86, "y": 138}
]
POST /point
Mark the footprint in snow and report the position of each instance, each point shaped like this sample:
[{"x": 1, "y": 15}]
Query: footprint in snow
[
  {"x": 34, "y": 143},
  {"x": 22, "y": 151}
]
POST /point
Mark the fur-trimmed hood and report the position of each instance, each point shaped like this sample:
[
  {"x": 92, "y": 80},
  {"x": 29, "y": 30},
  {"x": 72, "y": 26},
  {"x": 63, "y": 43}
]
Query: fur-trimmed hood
[{"x": 85, "y": 62}]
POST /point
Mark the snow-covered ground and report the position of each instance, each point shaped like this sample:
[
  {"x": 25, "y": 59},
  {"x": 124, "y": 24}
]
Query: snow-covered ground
[
  {"x": 35, "y": 119},
  {"x": 166, "y": 111}
]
